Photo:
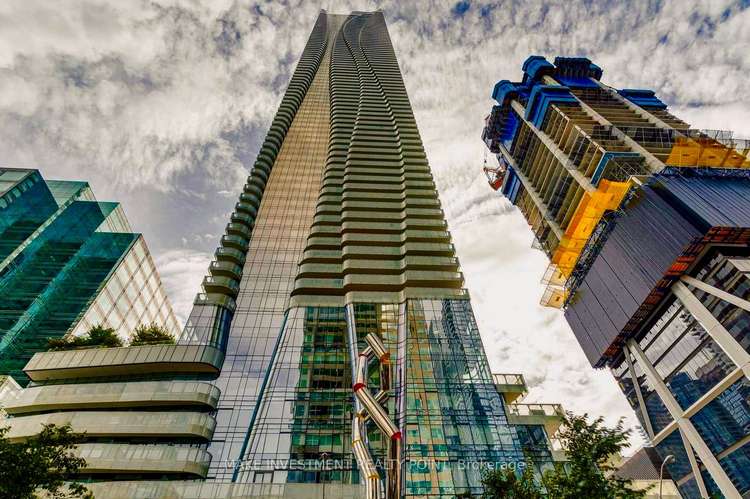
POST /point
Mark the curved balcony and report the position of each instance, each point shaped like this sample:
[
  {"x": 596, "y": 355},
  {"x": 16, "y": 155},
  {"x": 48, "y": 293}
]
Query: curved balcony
[
  {"x": 221, "y": 285},
  {"x": 245, "y": 207},
  {"x": 198, "y": 425},
  {"x": 225, "y": 269},
  {"x": 230, "y": 254},
  {"x": 217, "y": 300},
  {"x": 236, "y": 242},
  {"x": 243, "y": 219},
  {"x": 124, "y": 361},
  {"x": 113, "y": 395},
  {"x": 241, "y": 230},
  {"x": 250, "y": 198},
  {"x": 144, "y": 459}
]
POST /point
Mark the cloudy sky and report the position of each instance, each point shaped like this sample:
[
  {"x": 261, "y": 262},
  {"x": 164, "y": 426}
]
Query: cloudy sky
[{"x": 162, "y": 105}]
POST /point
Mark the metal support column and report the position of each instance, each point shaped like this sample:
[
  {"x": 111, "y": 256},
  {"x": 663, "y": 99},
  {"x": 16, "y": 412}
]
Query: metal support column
[
  {"x": 641, "y": 402},
  {"x": 713, "y": 327},
  {"x": 685, "y": 425},
  {"x": 653, "y": 162},
  {"x": 694, "y": 465}
]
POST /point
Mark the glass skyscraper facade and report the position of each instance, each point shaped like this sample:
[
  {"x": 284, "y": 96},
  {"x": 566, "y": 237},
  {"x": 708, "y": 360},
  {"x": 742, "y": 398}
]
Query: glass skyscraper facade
[
  {"x": 646, "y": 221},
  {"x": 342, "y": 236},
  {"x": 68, "y": 262}
]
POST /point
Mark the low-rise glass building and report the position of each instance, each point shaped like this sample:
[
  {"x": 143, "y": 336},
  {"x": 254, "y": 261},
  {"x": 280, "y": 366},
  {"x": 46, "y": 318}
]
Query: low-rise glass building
[{"x": 68, "y": 262}]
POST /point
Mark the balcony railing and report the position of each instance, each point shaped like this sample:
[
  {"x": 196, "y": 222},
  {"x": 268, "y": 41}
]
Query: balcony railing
[
  {"x": 551, "y": 410},
  {"x": 124, "y": 361},
  {"x": 508, "y": 379}
]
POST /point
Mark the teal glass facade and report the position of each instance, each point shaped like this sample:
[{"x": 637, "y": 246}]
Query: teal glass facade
[
  {"x": 443, "y": 397},
  {"x": 59, "y": 248}
]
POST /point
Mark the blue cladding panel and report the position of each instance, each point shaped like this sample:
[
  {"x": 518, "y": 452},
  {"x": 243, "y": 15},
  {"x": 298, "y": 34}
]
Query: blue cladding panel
[
  {"x": 576, "y": 82},
  {"x": 603, "y": 164},
  {"x": 504, "y": 90},
  {"x": 512, "y": 185},
  {"x": 540, "y": 99},
  {"x": 510, "y": 129},
  {"x": 535, "y": 67},
  {"x": 642, "y": 97},
  {"x": 576, "y": 71}
]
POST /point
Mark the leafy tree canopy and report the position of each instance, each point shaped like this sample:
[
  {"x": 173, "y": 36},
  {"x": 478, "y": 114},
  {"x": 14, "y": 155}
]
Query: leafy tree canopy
[
  {"x": 587, "y": 473},
  {"x": 97, "y": 336},
  {"x": 42, "y": 463},
  {"x": 507, "y": 484},
  {"x": 151, "y": 334}
]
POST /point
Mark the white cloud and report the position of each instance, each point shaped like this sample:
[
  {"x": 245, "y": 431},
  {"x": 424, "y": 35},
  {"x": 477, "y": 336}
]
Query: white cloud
[{"x": 181, "y": 274}]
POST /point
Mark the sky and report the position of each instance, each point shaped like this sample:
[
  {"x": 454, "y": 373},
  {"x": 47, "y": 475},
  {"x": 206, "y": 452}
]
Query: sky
[{"x": 163, "y": 104}]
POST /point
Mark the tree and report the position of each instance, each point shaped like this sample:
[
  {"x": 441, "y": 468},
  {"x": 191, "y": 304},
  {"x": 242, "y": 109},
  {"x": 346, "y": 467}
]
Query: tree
[
  {"x": 152, "y": 334},
  {"x": 507, "y": 484},
  {"x": 97, "y": 336},
  {"x": 586, "y": 473},
  {"x": 589, "y": 447},
  {"x": 44, "y": 462}
]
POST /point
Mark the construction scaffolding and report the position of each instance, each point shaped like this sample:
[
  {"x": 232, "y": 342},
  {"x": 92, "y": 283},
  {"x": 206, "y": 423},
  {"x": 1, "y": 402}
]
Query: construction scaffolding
[{"x": 589, "y": 212}]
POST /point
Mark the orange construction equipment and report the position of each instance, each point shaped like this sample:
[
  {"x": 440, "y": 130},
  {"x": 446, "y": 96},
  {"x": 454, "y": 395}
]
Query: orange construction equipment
[
  {"x": 707, "y": 151},
  {"x": 589, "y": 211}
]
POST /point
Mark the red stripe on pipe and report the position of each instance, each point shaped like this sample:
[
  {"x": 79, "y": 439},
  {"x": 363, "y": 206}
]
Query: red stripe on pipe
[
  {"x": 396, "y": 436},
  {"x": 358, "y": 386}
]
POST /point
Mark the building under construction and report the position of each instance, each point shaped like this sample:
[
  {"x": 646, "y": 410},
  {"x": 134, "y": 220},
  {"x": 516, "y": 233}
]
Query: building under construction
[{"x": 646, "y": 222}]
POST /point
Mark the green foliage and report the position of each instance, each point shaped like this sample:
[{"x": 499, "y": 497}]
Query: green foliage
[
  {"x": 507, "y": 484},
  {"x": 41, "y": 463},
  {"x": 152, "y": 334},
  {"x": 97, "y": 336},
  {"x": 589, "y": 445}
]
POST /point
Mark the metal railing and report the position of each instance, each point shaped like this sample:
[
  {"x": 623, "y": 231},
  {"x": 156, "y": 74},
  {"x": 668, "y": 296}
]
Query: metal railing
[
  {"x": 554, "y": 410},
  {"x": 555, "y": 444},
  {"x": 508, "y": 379}
]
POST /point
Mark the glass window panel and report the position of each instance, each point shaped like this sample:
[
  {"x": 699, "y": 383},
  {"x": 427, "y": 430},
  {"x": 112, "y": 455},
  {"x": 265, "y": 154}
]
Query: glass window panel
[{"x": 726, "y": 419}]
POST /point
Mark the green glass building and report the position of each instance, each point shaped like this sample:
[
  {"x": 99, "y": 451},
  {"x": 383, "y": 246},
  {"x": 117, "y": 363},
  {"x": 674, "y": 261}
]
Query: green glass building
[{"x": 68, "y": 262}]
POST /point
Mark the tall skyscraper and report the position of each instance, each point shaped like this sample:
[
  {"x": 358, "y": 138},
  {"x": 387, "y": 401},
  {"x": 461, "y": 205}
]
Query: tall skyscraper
[
  {"x": 646, "y": 222},
  {"x": 348, "y": 279},
  {"x": 68, "y": 262},
  {"x": 333, "y": 351}
]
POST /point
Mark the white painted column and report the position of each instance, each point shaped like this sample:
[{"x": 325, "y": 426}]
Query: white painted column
[
  {"x": 637, "y": 386},
  {"x": 718, "y": 293},
  {"x": 635, "y": 107},
  {"x": 684, "y": 424},
  {"x": 693, "y": 465},
  {"x": 713, "y": 327},
  {"x": 563, "y": 158}
]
